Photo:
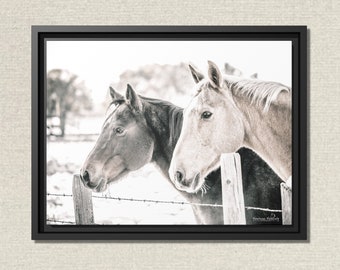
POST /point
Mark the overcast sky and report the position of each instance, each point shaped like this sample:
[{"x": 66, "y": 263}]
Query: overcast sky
[{"x": 99, "y": 63}]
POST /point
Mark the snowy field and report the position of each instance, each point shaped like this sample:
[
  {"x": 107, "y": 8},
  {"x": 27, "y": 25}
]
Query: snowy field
[{"x": 65, "y": 159}]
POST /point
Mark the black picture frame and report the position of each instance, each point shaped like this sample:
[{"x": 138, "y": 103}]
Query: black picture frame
[{"x": 296, "y": 231}]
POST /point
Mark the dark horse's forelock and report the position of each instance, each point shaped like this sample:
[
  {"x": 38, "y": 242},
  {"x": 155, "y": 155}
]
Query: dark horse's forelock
[{"x": 109, "y": 113}]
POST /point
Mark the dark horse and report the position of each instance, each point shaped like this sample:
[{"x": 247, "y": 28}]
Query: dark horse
[{"x": 138, "y": 130}]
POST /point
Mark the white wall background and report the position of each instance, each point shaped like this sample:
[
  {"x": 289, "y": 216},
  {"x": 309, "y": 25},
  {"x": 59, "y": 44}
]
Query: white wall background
[{"x": 17, "y": 251}]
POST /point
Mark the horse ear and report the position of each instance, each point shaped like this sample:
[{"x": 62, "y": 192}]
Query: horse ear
[
  {"x": 215, "y": 75},
  {"x": 115, "y": 95},
  {"x": 133, "y": 99},
  {"x": 198, "y": 76}
]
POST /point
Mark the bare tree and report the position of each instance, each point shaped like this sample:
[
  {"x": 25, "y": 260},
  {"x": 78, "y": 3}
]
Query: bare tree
[{"x": 66, "y": 93}]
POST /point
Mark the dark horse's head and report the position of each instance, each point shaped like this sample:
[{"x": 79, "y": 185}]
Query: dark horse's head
[{"x": 125, "y": 143}]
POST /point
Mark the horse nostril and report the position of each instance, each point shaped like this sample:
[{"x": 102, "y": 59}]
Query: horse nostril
[
  {"x": 179, "y": 176},
  {"x": 86, "y": 177}
]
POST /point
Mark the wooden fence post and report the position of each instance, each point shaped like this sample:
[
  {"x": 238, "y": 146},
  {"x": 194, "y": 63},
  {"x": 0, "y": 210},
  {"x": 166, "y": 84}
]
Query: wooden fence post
[
  {"x": 82, "y": 201},
  {"x": 232, "y": 189},
  {"x": 286, "y": 201}
]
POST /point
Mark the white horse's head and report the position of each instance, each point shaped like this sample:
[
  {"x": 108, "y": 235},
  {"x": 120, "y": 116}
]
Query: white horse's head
[{"x": 212, "y": 125}]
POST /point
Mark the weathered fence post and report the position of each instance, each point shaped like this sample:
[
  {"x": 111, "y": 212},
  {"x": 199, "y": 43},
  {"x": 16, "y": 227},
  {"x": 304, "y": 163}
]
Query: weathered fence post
[
  {"x": 232, "y": 189},
  {"x": 82, "y": 200},
  {"x": 286, "y": 201}
]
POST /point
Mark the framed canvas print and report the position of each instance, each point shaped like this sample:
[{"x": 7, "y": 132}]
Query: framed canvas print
[{"x": 169, "y": 132}]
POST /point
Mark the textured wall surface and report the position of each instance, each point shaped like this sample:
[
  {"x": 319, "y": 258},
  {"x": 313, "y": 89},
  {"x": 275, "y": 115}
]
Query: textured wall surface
[{"x": 18, "y": 251}]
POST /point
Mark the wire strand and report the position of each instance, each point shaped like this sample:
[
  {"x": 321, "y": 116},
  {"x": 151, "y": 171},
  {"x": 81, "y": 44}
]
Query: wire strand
[
  {"x": 162, "y": 201},
  {"x": 139, "y": 200}
]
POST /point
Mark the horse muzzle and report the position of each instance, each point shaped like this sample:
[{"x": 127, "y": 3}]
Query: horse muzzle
[
  {"x": 190, "y": 185},
  {"x": 97, "y": 186}
]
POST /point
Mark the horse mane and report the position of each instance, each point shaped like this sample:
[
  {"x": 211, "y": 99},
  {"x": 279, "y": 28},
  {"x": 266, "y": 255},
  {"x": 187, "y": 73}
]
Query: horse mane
[
  {"x": 260, "y": 93},
  {"x": 175, "y": 124},
  {"x": 169, "y": 116}
]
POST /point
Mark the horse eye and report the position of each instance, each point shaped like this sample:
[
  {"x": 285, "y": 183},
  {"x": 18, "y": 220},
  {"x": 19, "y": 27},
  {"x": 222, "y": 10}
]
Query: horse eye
[
  {"x": 119, "y": 130},
  {"x": 206, "y": 115}
]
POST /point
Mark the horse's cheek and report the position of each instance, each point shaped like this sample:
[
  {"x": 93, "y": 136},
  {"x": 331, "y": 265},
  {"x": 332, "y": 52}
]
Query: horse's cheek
[
  {"x": 145, "y": 149},
  {"x": 139, "y": 149}
]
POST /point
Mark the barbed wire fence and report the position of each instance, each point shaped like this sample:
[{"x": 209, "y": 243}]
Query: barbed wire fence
[
  {"x": 232, "y": 198},
  {"x": 139, "y": 200},
  {"x": 162, "y": 201},
  {"x": 118, "y": 198}
]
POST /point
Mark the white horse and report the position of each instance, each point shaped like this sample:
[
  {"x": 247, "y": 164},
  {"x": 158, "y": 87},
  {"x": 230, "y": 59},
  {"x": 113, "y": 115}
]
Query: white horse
[{"x": 228, "y": 113}]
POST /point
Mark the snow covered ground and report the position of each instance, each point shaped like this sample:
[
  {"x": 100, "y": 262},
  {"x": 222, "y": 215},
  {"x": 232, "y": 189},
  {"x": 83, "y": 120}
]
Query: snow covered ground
[{"x": 64, "y": 158}]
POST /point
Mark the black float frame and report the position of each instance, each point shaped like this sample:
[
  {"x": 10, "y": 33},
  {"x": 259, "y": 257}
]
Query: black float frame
[{"x": 296, "y": 231}]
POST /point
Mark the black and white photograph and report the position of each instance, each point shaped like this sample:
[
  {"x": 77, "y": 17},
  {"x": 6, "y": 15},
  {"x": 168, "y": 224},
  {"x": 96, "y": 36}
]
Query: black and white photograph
[{"x": 168, "y": 132}]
